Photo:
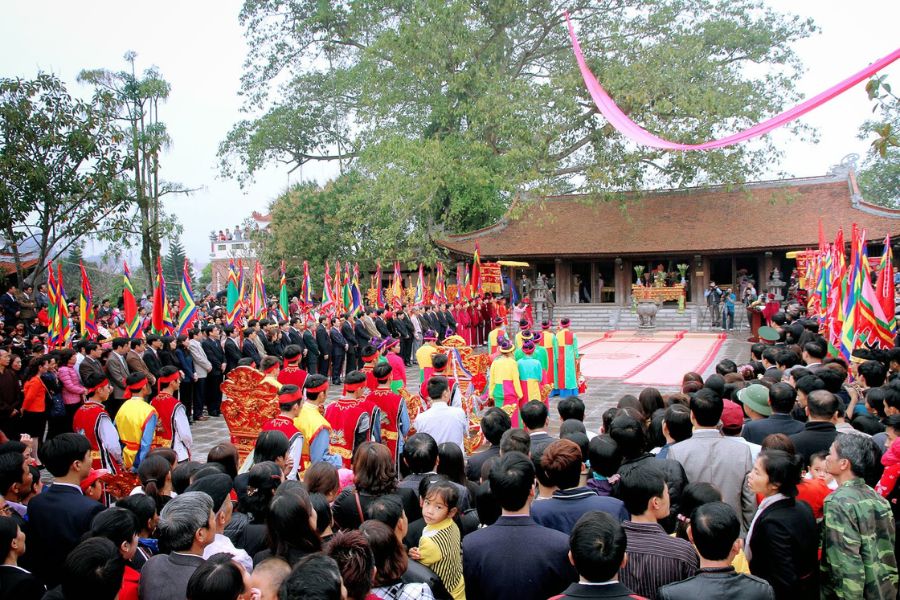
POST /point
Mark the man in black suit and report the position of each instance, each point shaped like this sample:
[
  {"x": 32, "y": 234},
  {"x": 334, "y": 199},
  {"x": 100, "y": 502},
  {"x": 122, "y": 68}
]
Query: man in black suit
[
  {"x": 534, "y": 417},
  {"x": 312, "y": 351},
  {"x": 493, "y": 424},
  {"x": 249, "y": 349},
  {"x": 212, "y": 347},
  {"x": 442, "y": 324},
  {"x": 448, "y": 316},
  {"x": 61, "y": 514},
  {"x": 781, "y": 403},
  {"x": 380, "y": 324},
  {"x": 432, "y": 321},
  {"x": 323, "y": 339},
  {"x": 187, "y": 525},
  {"x": 232, "y": 349},
  {"x": 405, "y": 329},
  {"x": 151, "y": 358},
  {"x": 819, "y": 431},
  {"x": 10, "y": 306},
  {"x": 295, "y": 332},
  {"x": 541, "y": 571},
  {"x": 362, "y": 336},
  {"x": 349, "y": 333},
  {"x": 91, "y": 363},
  {"x": 339, "y": 347}
]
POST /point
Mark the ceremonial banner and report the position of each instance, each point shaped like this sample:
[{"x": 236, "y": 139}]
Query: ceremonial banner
[
  {"x": 257, "y": 294},
  {"x": 356, "y": 305},
  {"x": 306, "y": 292},
  {"x": 397, "y": 287},
  {"x": 327, "y": 306},
  {"x": 618, "y": 119},
  {"x": 233, "y": 304},
  {"x": 64, "y": 330},
  {"x": 187, "y": 310},
  {"x": 87, "y": 323},
  {"x": 283, "y": 304},
  {"x": 53, "y": 305},
  {"x": 132, "y": 323},
  {"x": 379, "y": 291},
  {"x": 491, "y": 278},
  {"x": 160, "y": 322},
  {"x": 419, "y": 298},
  {"x": 476, "y": 272}
]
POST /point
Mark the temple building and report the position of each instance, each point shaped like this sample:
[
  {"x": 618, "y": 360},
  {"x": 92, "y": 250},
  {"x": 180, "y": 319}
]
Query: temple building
[{"x": 593, "y": 251}]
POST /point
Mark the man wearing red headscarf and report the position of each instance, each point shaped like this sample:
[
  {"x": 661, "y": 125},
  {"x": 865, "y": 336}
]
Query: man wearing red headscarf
[
  {"x": 289, "y": 399},
  {"x": 136, "y": 421},
  {"x": 174, "y": 428},
  {"x": 353, "y": 419}
]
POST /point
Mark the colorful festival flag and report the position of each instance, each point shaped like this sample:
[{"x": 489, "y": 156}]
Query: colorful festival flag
[
  {"x": 283, "y": 304},
  {"x": 187, "y": 310},
  {"x": 53, "y": 305},
  {"x": 355, "y": 292},
  {"x": 397, "y": 287},
  {"x": 476, "y": 271},
  {"x": 306, "y": 291},
  {"x": 379, "y": 291},
  {"x": 459, "y": 282},
  {"x": 853, "y": 291},
  {"x": 132, "y": 322},
  {"x": 257, "y": 294},
  {"x": 88, "y": 323},
  {"x": 440, "y": 285},
  {"x": 346, "y": 293},
  {"x": 885, "y": 286},
  {"x": 419, "y": 298},
  {"x": 233, "y": 304},
  {"x": 327, "y": 305},
  {"x": 64, "y": 329},
  {"x": 160, "y": 321}
]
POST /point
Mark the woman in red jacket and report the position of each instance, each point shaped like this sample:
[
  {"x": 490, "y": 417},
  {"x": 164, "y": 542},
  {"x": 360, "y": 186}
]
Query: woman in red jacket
[{"x": 34, "y": 405}]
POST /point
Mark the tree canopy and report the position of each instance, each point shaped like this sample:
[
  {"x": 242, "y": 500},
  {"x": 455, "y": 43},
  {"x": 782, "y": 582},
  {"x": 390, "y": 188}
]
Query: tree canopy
[
  {"x": 441, "y": 112},
  {"x": 879, "y": 178}
]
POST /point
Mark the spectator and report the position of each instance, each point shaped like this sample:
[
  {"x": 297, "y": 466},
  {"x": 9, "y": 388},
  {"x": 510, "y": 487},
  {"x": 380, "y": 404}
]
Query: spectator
[
  {"x": 16, "y": 582},
  {"x": 316, "y": 577},
  {"x": 351, "y": 552},
  {"x": 493, "y": 423},
  {"x": 715, "y": 532},
  {"x": 781, "y": 401},
  {"x": 443, "y": 422},
  {"x": 534, "y": 416},
  {"x": 92, "y": 571},
  {"x": 676, "y": 427},
  {"x": 219, "y": 578},
  {"x": 819, "y": 432}
]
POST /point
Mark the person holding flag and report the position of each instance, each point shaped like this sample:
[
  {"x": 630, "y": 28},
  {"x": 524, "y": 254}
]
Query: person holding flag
[
  {"x": 395, "y": 422},
  {"x": 565, "y": 346},
  {"x": 314, "y": 427}
]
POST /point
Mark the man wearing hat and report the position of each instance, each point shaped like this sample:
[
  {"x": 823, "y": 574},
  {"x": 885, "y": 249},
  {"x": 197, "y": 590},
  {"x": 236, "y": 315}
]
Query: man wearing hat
[
  {"x": 353, "y": 419},
  {"x": 398, "y": 367},
  {"x": 271, "y": 368},
  {"x": 441, "y": 362},
  {"x": 93, "y": 422},
  {"x": 395, "y": 421},
  {"x": 289, "y": 399},
  {"x": 503, "y": 380},
  {"x": 539, "y": 352},
  {"x": 733, "y": 424},
  {"x": 780, "y": 400},
  {"x": 92, "y": 486},
  {"x": 423, "y": 354},
  {"x": 314, "y": 427},
  {"x": 291, "y": 373},
  {"x": 496, "y": 334},
  {"x": 530, "y": 374},
  {"x": 174, "y": 428},
  {"x": 136, "y": 421},
  {"x": 218, "y": 487},
  {"x": 566, "y": 351}
]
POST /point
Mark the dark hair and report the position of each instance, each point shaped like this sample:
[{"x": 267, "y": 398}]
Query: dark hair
[
  {"x": 437, "y": 385},
  {"x": 809, "y": 383},
  {"x": 787, "y": 358},
  {"x": 263, "y": 478},
  {"x": 783, "y": 470},
  {"x": 707, "y": 407},
  {"x": 778, "y": 441},
  {"x": 117, "y": 524},
  {"x": 287, "y": 525},
  {"x": 782, "y": 397},
  {"x": 726, "y": 366},
  {"x": 716, "y": 383},
  {"x": 350, "y": 550},
  {"x": 604, "y": 455},
  {"x": 493, "y": 423},
  {"x": 439, "y": 361},
  {"x": 420, "y": 452},
  {"x": 629, "y": 401},
  {"x": 638, "y": 486},
  {"x": 512, "y": 480},
  {"x": 9, "y": 530},
  {"x": 651, "y": 400},
  {"x": 874, "y": 372},
  {"x": 607, "y": 418},
  {"x": 597, "y": 543},
  {"x": 833, "y": 379},
  {"x": 570, "y": 407},
  {"x": 292, "y": 351},
  {"x": 815, "y": 350},
  {"x": 270, "y": 446},
  {"x": 166, "y": 453},
  {"x": 694, "y": 495},
  {"x": 629, "y": 436},
  {"x": 11, "y": 471},
  {"x": 534, "y": 414},
  {"x": 321, "y": 478},
  {"x": 93, "y": 570},
  {"x": 153, "y": 473},
  {"x": 225, "y": 454},
  {"x": 452, "y": 462},
  {"x": 382, "y": 371},
  {"x": 217, "y": 578},
  {"x": 387, "y": 509},
  {"x": 373, "y": 469},
  {"x": 61, "y": 451},
  {"x": 314, "y": 381},
  {"x": 875, "y": 398},
  {"x": 141, "y": 506},
  {"x": 390, "y": 557},
  {"x": 513, "y": 440},
  {"x": 571, "y": 426},
  {"x": 561, "y": 463},
  {"x": 714, "y": 528},
  {"x": 324, "y": 517},
  {"x": 443, "y": 489},
  {"x": 182, "y": 475},
  {"x": 822, "y": 404},
  {"x": 678, "y": 421},
  {"x": 315, "y": 577},
  {"x": 119, "y": 342}
]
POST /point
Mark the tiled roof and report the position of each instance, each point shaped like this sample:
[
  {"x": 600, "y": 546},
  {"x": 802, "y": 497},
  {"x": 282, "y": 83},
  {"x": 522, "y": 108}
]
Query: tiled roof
[
  {"x": 753, "y": 217},
  {"x": 8, "y": 264}
]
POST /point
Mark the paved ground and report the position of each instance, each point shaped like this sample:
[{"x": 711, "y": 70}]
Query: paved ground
[{"x": 601, "y": 394}]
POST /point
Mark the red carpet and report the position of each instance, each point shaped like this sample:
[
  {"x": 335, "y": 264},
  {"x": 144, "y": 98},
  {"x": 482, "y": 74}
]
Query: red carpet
[{"x": 657, "y": 358}]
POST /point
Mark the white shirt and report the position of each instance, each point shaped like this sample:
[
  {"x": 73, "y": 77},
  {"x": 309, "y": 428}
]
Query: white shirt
[
  {"x": 443, "y": 423},
  {"x": 222, "y": 543},
  {"x": 183, "y": 439}
]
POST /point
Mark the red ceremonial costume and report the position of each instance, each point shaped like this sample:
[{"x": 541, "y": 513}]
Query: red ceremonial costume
[
  {"x": 484, "y": 325},
  {"x": 291, "y": 374},
  {"x": 345, "y": 416},
  {"x": 546, "y": 340},
  {"x": 169, "y": 432},
  {"x": 285, "y": 425},
  {"x": 93, "y": 422},
  {"x": 389, "y": 405}
]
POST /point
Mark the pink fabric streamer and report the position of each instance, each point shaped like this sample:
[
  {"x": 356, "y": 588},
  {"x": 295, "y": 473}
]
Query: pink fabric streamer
[{"x": 625, "y": 125}]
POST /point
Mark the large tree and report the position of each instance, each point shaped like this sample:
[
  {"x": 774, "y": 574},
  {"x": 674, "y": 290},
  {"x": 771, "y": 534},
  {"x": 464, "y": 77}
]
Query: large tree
[
  {"x": 444, "y": 110},
  {"x": 60, "y": 169},
  {"x": 879, "y": 178}
]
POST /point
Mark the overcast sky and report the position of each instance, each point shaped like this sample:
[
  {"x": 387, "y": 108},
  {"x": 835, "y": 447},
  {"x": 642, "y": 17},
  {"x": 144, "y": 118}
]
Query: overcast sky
[{"x": 199, "y": 48}]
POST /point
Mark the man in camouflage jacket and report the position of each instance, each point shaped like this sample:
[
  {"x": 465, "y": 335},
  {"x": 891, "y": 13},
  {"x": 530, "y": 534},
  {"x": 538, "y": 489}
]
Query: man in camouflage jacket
[{"x": 858, "y": 530}]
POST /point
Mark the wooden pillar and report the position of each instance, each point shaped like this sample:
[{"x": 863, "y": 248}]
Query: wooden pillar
[
  {"x": 595, "y": 289},
  {"x": 622, "y": 282},
  {"x": 563, "y": 282}
]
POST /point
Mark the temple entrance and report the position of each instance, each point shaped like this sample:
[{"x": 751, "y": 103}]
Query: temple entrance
[
  {"x": 582, "y": 283},
  {"x": 605, "y": 283}
]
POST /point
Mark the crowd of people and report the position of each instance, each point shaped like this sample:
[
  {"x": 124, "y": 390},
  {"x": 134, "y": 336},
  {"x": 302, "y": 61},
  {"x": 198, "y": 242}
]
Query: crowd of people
[{"x": 776, "y": 478}]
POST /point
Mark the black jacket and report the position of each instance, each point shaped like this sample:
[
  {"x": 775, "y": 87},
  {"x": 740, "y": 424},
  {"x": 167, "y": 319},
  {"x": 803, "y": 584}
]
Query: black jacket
[
  {"x": 214, "y": 354},
  {"x": 16, "y": 584},
  {"x": 232, "y": 354},
  {"x": 249, "y": 350},
  {"x": 611, "y": 591},
  {"x": 312, "y": 347},
  {"x": 816, "y": 436},
  {"x": 152, "y": 361},
  {"x": 784, "y": 549},
  {"x": 349, "y": 336},
  {"x": 362, "y": 334},
  {"x": 337, "y": 341},
  {"x": 717, "y": 584},
  {"x": 381, "y": 326},
  {"x": 756, "y": 431},
  {"x": 57, "y": 518},
  {"x": 323, "y": 339}
]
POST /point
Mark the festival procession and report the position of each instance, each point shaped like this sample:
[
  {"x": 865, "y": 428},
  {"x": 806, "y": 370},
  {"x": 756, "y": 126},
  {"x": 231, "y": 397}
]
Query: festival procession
[{"x": 450, "y": 301}]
